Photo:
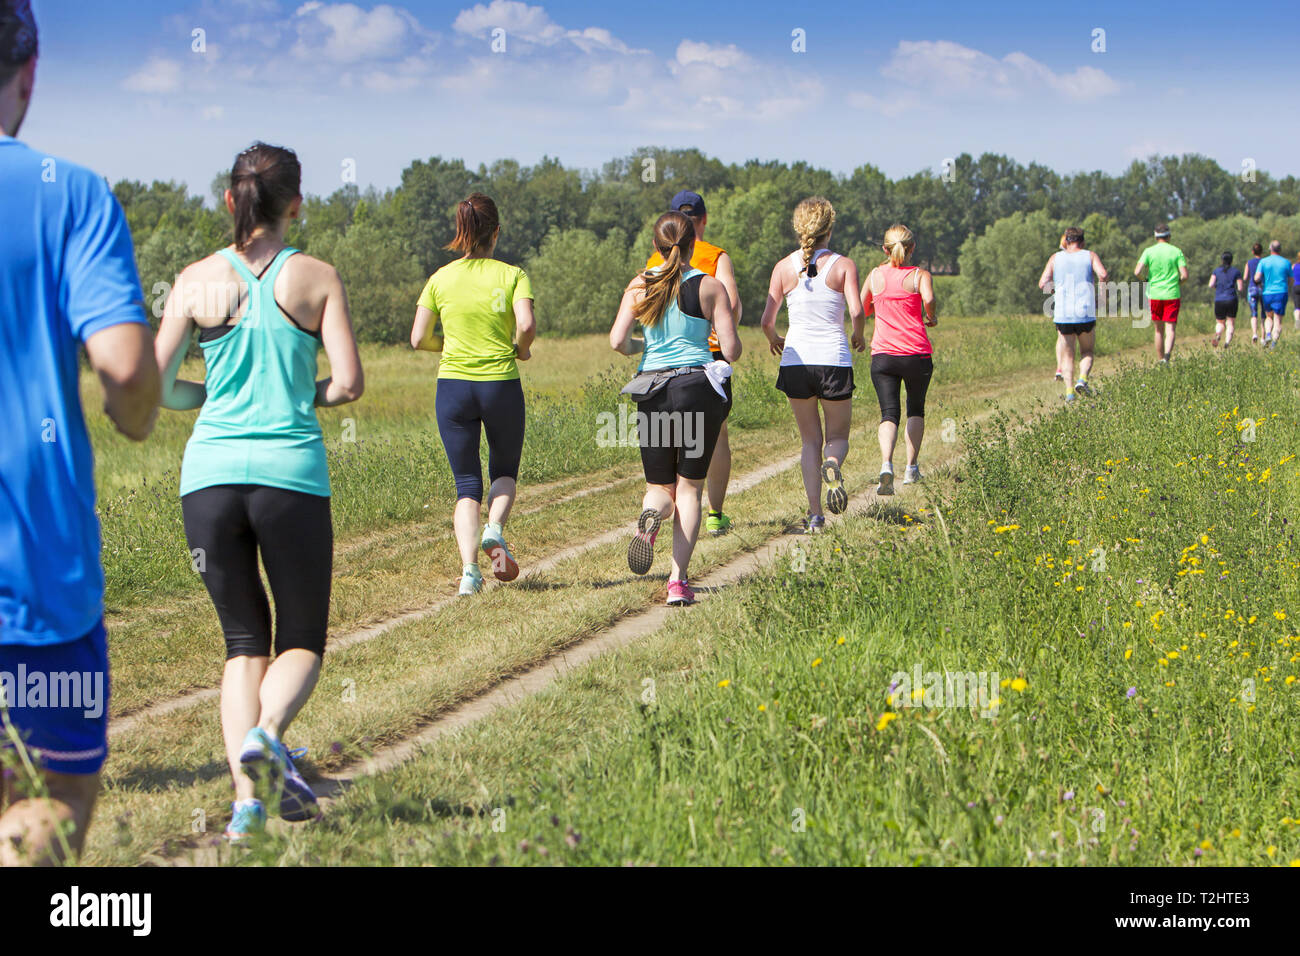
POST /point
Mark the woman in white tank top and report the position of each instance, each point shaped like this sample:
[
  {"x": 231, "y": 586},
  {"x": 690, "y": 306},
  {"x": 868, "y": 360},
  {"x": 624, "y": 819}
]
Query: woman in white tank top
[{"x": 816, "y": 364}]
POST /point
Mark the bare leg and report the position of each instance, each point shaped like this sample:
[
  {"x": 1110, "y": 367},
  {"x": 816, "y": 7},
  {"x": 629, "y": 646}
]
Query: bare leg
[
  {"x": 810, "y": 459},
  {"x": 686, "y": 529},
  {"x": 659, "y": 498},
  {"x": 1065, "y": 357},
  {"x": 29, "y": 826},
  {"x": 241, "y": 708},
  {"x": 1087, "y": 346},
  {"x": 1229, "y": 326},
  {"x": 501, "y": 498},
  {"x": 839, "y": 419},
  {"x": 465, "y": 520},
  {"x": 1160, "y": 339},
  {"x": 288, "y": 683},
  {"x": 720, "y": 470},
  {"x": 915, "y": 432},
  {"x": 888, "y": 435}
]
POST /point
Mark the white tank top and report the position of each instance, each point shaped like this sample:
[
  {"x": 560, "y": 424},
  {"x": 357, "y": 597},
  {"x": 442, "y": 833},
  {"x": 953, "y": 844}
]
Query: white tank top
[{"x": 816, "y": 314}]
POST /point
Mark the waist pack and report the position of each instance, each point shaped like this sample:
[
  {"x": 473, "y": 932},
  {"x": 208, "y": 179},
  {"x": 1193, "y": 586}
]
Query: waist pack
[{"x": 649, "y": 382}]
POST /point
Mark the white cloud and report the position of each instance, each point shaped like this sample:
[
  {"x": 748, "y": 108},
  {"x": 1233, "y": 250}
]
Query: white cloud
[
  {"x": 692, "y": 53},
  {"x": 951, "y": 69},
  {"x": 533, "y": 26},
  {"x": 158, "y": 75},
  {"x": 344, "y": 33}
]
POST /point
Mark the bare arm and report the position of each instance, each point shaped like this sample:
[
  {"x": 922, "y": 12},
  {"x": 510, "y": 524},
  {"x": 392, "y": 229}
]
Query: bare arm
[
  {"x": 868, "y": 303},
  {"x": 726, "y": 274},
  {"x": 346, "y": 381},
  {"x": 1182, "y": 273},
  {"x": 1098, "y": 269},
  {"x": 925, "y": 286},
  {"x": 1048, "y": 271},
  {"x": 775, "y": 294},
  {"x": 525, "y": 329},
  {"x": 620, "y": 335},
  {"x": 169, "y": 350},
  {"x": 1211, "y": 283},
  {"x": 716, "y": 300},
  {"x": 857, "y": 314},
  {"x": 425, "y": 332},
  {"x": 123, "y": 358}
]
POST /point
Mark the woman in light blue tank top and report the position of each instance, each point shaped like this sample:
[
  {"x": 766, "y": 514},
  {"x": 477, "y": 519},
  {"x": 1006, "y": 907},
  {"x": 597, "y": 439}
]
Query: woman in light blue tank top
[
  {"x": 681, "y": 402},
  {"x": 1073, "y": 275},
  {"x": 254, "y": 479}
]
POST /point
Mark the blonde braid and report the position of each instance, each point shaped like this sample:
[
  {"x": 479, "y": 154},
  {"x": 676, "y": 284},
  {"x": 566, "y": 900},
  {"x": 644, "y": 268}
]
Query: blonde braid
[{"x": 813, "y": 219}]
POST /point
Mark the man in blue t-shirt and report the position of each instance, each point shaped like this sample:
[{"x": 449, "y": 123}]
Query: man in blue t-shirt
[
  {"x": 67, "y": 278},
  {"x": 1273, "y": 274}
]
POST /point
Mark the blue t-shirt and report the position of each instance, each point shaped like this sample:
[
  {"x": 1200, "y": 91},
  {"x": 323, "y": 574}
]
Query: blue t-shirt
[
  {"x": 1276, "y": 271},
  {"x": 1225, "y": 283},
  {"x": 67, "y": 271},
  {"x": 1295, "y": 275}
]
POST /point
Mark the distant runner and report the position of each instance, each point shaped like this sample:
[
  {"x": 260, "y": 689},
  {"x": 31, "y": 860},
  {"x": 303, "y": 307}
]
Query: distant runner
[
  {"x": 1252, "y": 290},
  {"x": 478, "y": 312},
  {"x": 681, "y": 401},
  {"x": 254, "y": 479},
  {"x": 1168, "y": 269},
  {"x": 67, "y": 279},
  {"x": 1074, "y": 273},
  {"x": 713, "y": 261},
  {"x": 902, "y": 297},
  {"x": 1226, "y": 283},
  {"x": 1273, "y": 275},
  {"x": 816, "y": 364}
]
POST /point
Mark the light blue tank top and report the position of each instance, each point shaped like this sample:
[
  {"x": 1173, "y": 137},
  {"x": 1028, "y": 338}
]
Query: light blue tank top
[
  {"x": 1073, "y": 293},
  {"x": 258, "y": 425},
  {"x": 677, "y": 340}
]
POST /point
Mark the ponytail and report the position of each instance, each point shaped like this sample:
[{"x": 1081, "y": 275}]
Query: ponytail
[
  {"x": 264, "y": 182},
  {"x": 899, "y": 243},
  {"x": 476, "y": 223},
  {"x": 674, "y": 238}
]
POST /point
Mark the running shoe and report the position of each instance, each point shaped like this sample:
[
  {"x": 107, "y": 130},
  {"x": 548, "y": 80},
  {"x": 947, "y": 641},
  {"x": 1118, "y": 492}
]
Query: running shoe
[
  {"x": 1069, "y": 397},
  {"x": 494, "y": 546},
  {"x": 886, "y": 486},
  {"x": 1268, "y": 341},
  {"x": 717, "y": 523},
  {"x": 471, "y": 580},
  {"x": 837, "y": 499},
  {"x": 1060, "y": 376},
  {"x": 680, "y": 594},
  {"x": 814, "y": 524},
  {"x": 1254, "y": 339},
  {"x": 246, "y": 818},
  {"x": 264, "y": 758},
  {"x": 1081, "y": 387},
  {"x": 641, "y": 549},
  {"x": 1214, "y": 342},
  {"x": 912, "y": 475}
]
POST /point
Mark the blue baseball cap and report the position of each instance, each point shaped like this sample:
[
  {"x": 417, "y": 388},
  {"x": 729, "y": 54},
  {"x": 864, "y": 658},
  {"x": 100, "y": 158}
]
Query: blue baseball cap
[
  {"x": 688, "y": 202},
  {"x": 17, "y": 32}
]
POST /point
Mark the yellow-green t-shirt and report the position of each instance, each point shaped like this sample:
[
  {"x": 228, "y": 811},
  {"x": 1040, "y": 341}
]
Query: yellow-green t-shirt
[{"x": 475, "y": 298}]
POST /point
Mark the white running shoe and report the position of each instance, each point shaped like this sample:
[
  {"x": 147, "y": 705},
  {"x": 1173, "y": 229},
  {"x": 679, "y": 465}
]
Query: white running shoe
[{"x": 912, "y": 475}]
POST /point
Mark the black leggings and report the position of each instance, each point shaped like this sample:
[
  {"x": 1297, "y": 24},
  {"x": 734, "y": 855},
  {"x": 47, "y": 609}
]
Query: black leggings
[
  {"x": 226, "y": 526},
  {"x": 890, "y": 372},
  {"x": 678, "y": 428},
  {"x": 465, "y": 409}
]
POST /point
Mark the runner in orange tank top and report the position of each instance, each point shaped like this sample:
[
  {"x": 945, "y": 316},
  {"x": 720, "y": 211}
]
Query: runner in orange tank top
[{"x": 714, "y": 261}]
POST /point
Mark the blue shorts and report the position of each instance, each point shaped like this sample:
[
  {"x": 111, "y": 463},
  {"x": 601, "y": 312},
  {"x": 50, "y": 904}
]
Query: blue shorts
[
  {"x": 1274, "y": 303},
  {"x": 1252, "y": 297},
  {"x": 57, "y": 697}
]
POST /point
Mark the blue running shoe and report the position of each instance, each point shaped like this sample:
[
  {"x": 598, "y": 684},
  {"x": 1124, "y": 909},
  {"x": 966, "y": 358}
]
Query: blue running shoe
[
  {"x": 471, "y": 580},
  {"x": 265, "y": 758},
  {"x": 246, "y": 818}
]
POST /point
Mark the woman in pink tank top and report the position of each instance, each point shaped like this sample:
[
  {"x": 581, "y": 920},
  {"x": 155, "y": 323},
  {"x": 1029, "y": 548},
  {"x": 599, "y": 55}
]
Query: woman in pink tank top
[{"x": 902, "y": 297}]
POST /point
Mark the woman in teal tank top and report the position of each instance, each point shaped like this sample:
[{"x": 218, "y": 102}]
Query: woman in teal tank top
[
  {"x": 254, "y": 479},
  {"x": 681, "y": 402}
]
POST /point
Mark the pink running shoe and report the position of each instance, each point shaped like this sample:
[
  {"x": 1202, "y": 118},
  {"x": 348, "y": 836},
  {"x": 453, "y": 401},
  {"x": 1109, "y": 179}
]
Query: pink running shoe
[{"x": 680, "y": 594}]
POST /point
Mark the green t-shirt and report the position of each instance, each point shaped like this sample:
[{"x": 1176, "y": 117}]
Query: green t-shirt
[
  {"x": 1163, "y": 260},
  {"x": 474, "y": 299}
]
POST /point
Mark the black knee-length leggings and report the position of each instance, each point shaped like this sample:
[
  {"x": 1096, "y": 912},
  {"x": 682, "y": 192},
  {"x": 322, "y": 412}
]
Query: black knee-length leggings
[
  {"x": 465, "y": 410},
  {"x": 889, "y": 373}
]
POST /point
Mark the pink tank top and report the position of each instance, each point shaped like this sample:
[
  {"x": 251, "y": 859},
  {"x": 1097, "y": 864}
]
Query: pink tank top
[{"x": 900, "y": 317}]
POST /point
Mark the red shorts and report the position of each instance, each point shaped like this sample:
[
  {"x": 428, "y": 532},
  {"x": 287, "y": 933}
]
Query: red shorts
[{"x": 1165, "y": 310}]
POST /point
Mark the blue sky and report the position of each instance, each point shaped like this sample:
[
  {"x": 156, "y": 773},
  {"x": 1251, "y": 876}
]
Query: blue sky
[{"x": 371, "y": 86}]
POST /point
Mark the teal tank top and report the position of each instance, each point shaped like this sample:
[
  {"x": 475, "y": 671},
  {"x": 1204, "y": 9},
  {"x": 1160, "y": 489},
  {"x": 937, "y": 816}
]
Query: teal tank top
[
  {"x": 258, "y": 425},
  {"x": 677, "y": 340}
]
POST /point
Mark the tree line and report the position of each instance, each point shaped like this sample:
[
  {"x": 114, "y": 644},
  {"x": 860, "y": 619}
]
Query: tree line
[{"x": 989, "y": 221}]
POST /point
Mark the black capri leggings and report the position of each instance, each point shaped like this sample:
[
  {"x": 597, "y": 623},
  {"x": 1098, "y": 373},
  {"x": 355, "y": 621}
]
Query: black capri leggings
[
  {"x": 466, "y": 409},
  {"x": 890, "y": 372},
  {"x": 226, "y": 526}
]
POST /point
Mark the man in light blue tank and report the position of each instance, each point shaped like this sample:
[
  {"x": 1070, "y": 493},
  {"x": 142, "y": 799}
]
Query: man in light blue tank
[
  {"x": 67, "y": 278},
  {"x": 1073, "y": 274}
]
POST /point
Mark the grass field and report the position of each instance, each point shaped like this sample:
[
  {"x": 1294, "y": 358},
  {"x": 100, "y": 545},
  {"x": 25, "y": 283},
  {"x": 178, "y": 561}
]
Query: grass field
[{"x": 700, "y": 773}]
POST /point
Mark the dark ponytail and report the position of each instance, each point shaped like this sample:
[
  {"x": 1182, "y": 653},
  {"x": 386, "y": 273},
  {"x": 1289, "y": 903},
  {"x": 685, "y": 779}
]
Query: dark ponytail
[
  {"x": 264, "y": 182},
  {"x": 476, "y": 222}
]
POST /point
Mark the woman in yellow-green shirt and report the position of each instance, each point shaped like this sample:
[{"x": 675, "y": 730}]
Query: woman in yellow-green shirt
[{"x": 478, "y": 311}]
